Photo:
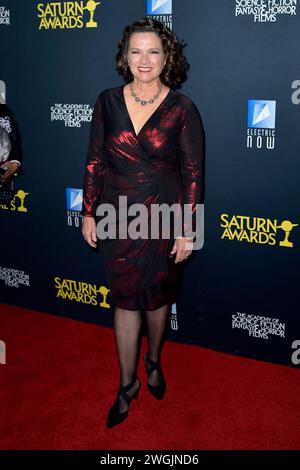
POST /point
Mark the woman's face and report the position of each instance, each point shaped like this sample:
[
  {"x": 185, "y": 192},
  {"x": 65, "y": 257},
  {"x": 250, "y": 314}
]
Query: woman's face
[{"x": 146, "y": 57}]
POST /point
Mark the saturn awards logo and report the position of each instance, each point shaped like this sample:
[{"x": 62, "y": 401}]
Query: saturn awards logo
[
  {"x": 17, "y": 204},
  {"x": 81, "y": 292},
  {"x": 67, "y": 15},
  {"x": 257, "y": 230},
  {"x": 160, "y": 10}
]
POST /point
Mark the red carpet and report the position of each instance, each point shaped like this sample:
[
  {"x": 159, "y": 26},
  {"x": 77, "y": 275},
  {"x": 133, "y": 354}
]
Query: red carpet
[{"x": 61, "y": 377}]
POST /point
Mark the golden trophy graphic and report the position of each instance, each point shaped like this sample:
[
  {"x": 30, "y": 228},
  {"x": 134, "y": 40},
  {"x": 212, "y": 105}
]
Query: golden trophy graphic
[
  {"x": 287, "y": 226},
  {"x": 21, "y": 195},
  {"x": 104, "y": 291},
  {"x": 91, "y": 7}
]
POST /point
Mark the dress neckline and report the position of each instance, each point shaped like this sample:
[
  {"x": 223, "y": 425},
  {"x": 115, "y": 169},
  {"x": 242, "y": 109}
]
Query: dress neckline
[{"x": 151, "y": 115}]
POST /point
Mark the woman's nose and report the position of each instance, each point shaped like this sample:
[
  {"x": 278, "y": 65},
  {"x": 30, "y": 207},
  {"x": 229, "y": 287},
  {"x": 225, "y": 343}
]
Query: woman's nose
[{"x": 144, "y": 60}]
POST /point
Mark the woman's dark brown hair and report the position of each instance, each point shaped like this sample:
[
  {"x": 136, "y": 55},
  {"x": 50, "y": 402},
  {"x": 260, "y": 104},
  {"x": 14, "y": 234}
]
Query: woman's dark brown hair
[{"x": 174, "y": 72}]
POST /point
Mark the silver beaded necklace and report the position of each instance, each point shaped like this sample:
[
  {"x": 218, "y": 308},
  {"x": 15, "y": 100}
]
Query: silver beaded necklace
[{"x": 143, "y": 102}]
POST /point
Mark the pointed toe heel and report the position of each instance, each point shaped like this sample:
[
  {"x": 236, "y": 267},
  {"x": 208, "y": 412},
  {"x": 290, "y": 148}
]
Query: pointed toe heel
[
  {"x": 116, "y": 417},
  {"x": 158, "y": 391}
]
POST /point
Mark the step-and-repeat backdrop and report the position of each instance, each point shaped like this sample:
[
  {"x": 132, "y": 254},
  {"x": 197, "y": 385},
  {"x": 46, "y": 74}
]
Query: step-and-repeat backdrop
[{"x": 240, "y": 292}]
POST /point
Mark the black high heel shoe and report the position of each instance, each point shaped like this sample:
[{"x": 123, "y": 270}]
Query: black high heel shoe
[
  {"x": 157, "y": 391},
  {"x": 114, "y": 416}
]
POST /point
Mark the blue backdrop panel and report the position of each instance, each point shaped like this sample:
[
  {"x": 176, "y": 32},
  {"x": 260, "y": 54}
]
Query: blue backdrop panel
[{"x": 240, "y": 291}]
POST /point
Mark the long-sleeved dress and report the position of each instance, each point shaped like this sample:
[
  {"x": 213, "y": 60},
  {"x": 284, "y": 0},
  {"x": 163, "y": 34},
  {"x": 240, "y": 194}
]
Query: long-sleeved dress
[{"x": 160, "y": 164}]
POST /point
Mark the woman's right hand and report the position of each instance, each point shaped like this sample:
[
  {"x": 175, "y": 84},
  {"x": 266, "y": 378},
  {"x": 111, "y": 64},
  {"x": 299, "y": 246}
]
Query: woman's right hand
[{"x": 89, "y": 231}]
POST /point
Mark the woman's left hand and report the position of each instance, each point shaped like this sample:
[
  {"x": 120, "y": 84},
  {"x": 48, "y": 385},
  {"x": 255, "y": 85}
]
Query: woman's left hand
[
  {"x": 11, "y": 169},
  {"x": 182, "y": 248}
]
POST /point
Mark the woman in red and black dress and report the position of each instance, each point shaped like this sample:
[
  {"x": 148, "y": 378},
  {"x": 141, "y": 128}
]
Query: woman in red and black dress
[{"x": 146, "y": 143}]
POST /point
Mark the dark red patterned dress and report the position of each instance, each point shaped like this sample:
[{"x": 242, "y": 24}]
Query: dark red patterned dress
[{"x": 162, "y": 164}]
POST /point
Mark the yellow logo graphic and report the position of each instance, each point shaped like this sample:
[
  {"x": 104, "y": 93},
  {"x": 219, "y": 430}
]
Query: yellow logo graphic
[
  {"x": 256, "y": 230},
  {"x": 91, "y": 7},
  {"x": 66, "y": 15},
  {"x": 287, "y": 227},
  {"x": 81, "y": 292},
  {"x": 17, "y": 203}
]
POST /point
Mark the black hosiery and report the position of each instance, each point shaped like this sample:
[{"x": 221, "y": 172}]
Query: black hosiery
[
  {"x": 127, "y": 330},
  {"x": 157, "y": 322}
]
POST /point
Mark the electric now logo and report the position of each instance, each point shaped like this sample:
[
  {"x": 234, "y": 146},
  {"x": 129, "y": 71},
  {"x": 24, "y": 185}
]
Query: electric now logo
[
  {"x": 74, "y": 199},
  {"x": 159, "y": 7},
  {"x": 160, "y": 10},
  {"x": 261, "y": 124},
  {"x": 261, "y": 114}
]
